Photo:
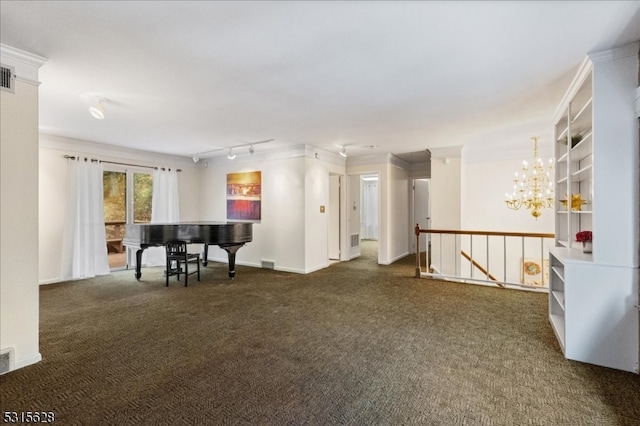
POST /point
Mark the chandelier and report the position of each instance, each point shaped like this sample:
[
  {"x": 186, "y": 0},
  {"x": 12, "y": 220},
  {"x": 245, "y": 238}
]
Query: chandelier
[{"x": 533, "y": 189}]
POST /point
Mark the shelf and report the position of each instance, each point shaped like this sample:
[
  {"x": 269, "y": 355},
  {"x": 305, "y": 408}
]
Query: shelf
[
  {"x": 584, "y": 114},
  {"x": 583, "y": 172},
  {"x": 562, "y": 135},
  {"x": 559, "y": 296},
  {"x": 557, "y": 323},
  {"x": 569, "y": 254},
  {"x": 563, "y": 180},
  {"x": 582, "y": 212},
  {"x": 559, "y": 271},
  {"x": 582, "y": 149},
  {"x": 563, "y": 158}
]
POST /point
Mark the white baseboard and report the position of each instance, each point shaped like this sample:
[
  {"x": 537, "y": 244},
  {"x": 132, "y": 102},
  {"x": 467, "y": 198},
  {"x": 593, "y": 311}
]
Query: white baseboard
[{"x": 24, "y": 362}]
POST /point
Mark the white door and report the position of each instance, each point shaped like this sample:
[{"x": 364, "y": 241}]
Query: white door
[{"x": 334, "y": 217}]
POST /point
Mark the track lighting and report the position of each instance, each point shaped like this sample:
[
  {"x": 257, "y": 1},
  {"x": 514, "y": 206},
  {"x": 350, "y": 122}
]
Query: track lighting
[
  {"x": 97, "y": 111},
  {"x": 343, "y": 151},
  {"x": 230, "y": 155}
]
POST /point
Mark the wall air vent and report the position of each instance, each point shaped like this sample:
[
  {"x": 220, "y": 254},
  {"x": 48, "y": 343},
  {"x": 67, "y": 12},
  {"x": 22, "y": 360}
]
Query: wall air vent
[
  {"x": 8, "y": 78},
  {"x": 355, "y": 240},
  {"x": 6, "y": 360},
  {"x": 268, "y": 264}
]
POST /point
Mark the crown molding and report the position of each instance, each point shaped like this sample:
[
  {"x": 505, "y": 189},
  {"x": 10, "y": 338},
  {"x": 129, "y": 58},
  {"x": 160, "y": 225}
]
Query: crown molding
[
  {"x": 26, "y": 64},
  {"x": 446, "y": 152},
  {"x": 81, "y": 147},
  {"x": 619, "y": 52}
]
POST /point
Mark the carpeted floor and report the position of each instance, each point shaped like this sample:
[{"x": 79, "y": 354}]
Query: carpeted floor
[{"x": 355, "y": 343}]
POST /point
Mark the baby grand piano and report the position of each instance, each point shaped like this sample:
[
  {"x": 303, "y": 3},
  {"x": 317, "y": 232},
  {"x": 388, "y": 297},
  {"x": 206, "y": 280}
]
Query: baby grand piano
[{"x": 228, "y": 236}]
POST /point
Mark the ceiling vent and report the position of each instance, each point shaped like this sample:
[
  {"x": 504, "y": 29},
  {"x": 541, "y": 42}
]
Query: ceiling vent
[{"x": 8, "y": 79}]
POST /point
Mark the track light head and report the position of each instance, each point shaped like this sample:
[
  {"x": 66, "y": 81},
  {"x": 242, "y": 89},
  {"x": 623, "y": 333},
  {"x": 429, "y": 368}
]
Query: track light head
[
  {"x": 251, "y": 150},
  {"x": 231, "y": 155},
  {"x": 343, "y": 151},
  {"x": 196, "y": 158}
]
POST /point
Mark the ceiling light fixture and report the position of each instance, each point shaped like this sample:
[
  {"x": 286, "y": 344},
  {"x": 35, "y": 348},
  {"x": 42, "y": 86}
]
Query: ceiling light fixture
[
  {"x": 534, "y": 188},
  {"x": 97, "y": 111},
  {"x": 343, "y": 151},
  {"x": 231, "y": 155}
]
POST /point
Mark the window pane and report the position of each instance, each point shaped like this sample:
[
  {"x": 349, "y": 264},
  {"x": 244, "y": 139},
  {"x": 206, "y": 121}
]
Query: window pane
[
  {"x": 115, "y": 195},
  {"x": 142, "y": 196},
  {"x": 114, "y": 191}
]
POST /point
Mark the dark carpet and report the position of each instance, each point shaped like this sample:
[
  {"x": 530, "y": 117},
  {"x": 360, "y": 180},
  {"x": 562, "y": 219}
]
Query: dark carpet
[{"x": 353, "y": 344}]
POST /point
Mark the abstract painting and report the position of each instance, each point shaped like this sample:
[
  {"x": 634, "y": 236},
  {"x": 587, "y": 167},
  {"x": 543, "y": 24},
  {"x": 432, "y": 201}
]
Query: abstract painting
[{"x": 244, "y": 196}]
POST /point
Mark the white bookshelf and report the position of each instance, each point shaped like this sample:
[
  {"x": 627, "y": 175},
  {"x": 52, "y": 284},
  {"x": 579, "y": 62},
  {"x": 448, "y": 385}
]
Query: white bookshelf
[{"x": 593, "y": 298}]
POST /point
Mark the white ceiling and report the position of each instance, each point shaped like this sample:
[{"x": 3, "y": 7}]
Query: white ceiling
[{"x": 186, "y": 77}]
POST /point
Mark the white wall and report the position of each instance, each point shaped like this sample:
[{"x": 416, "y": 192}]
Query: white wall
[
  {"x": 52, "y": 195},
  {"x": 483, "y": 188},
  {"x": 445, "y": 210},
  {"x": 19, "y": 294},
  {"x": 446, "y": 192},
  {"x": 279, "y": 236},
  {"x": 292, "y": 233},
  {"x": 399, "y": 213},
  {"x": 316, "y": 195}
]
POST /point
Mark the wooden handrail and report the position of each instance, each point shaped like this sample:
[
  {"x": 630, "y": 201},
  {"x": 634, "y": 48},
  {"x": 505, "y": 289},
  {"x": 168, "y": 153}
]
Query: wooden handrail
[
  {"x": 480, "y": 267},
  {"x": 488, "y": 233}
]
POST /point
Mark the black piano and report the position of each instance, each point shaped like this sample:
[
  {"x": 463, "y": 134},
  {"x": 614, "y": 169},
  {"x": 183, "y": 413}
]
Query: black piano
[{"x": 228, "y": 236}]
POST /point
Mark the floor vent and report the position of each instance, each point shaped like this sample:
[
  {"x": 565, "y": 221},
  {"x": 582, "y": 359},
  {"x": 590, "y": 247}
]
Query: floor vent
[
  {"x": 6, "y": 358},
  {"x": 8, "y": 79},
  {"x": 268, "y": 264},
  {"x": 355, "y": 240}
]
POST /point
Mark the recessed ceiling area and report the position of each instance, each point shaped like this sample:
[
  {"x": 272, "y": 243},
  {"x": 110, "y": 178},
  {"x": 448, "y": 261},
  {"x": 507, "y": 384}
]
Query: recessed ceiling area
[{"x": 381, "y": 77}]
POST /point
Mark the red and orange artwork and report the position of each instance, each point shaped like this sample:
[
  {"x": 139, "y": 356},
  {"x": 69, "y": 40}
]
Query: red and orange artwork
[{"x": 244, "y": 195}]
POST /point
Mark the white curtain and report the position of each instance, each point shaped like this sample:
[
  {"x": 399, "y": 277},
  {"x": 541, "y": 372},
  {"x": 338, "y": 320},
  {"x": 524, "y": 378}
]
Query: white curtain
[
  {"x": 369, "y": 226},
  {"x": 165, "y": 208},
  {"x": 84, "y": 245}
]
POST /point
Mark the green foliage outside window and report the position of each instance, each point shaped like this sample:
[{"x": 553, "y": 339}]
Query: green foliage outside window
[
  {"x": 114, "y": 189},
  {"x": 142, "y": 196},
  {"x": 114, "y": 185}
]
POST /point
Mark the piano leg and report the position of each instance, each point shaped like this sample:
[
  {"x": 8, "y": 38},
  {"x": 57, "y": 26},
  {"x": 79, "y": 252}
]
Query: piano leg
[
  {"x": 139, "y": 262},
  {"x": 206, "y": 253},
  {"x": 231, "y": 251}
]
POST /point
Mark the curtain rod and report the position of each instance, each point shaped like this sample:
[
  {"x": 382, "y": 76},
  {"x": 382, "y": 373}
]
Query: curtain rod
[{"x": 72, "y": 157}]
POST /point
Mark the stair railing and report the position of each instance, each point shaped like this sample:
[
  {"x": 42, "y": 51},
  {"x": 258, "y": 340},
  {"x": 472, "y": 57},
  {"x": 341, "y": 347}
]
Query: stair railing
[{"x": 505, "y": 259}]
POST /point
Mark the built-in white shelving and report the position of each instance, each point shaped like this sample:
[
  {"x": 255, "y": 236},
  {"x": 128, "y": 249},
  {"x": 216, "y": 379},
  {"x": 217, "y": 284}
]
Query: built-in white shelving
[{"x": 593, "y": 297}]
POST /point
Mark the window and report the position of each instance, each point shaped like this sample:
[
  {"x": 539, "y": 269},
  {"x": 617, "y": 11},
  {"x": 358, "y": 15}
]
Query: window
[{"x": 127, "y": 199}]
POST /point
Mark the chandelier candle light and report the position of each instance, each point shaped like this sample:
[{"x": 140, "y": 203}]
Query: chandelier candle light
[{"x": 533, "y": 189}]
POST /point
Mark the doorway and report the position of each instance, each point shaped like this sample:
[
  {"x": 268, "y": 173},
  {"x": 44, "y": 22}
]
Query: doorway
[
  {"x": 369, "y": 216},
  {"x": 422, "y": 217},
  {"x": 127, "y": 199},
  {"x": 335, "y": 182}
]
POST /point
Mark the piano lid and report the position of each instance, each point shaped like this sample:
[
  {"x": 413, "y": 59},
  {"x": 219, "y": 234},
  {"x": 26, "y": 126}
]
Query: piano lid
[{"x": 208, "y": 232}]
